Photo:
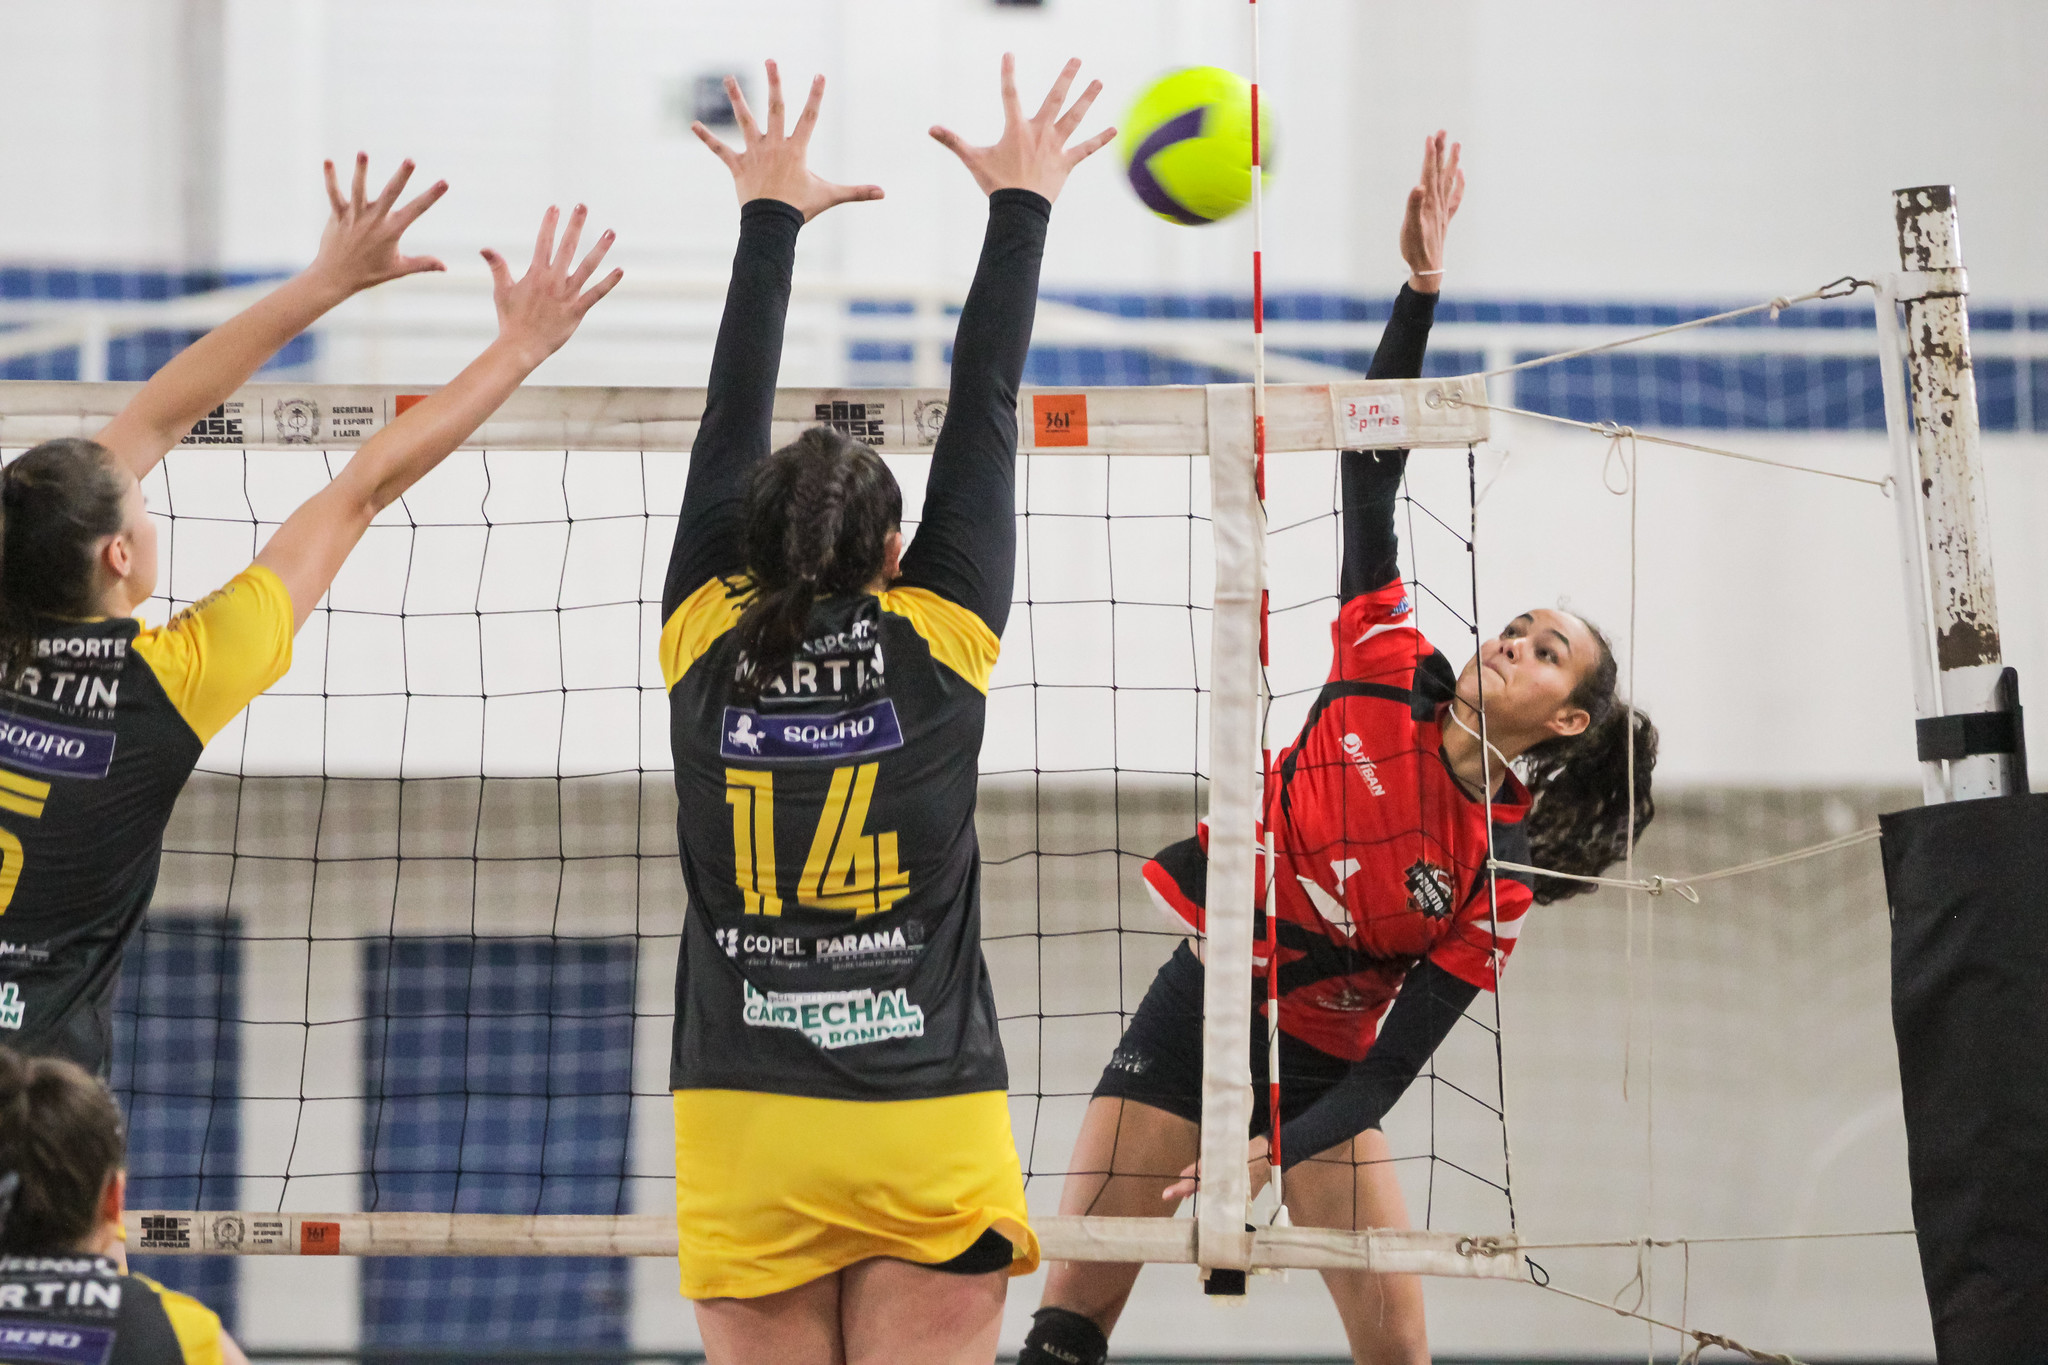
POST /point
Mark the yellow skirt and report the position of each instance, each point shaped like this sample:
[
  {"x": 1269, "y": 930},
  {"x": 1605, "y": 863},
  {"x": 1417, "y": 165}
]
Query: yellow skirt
[{"x": 774, "y": 1191}]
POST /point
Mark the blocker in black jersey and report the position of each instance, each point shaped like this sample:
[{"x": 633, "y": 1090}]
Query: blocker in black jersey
[
  {"x": 81, "y": 1310},
  {"x": 833, "y": 945},
  {"x": 97, "y": 736}
]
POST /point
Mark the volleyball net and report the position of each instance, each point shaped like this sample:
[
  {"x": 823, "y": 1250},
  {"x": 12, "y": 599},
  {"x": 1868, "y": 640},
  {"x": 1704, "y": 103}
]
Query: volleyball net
[{"x": 407, "y": 986}]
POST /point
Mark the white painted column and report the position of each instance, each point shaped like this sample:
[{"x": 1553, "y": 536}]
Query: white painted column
[
  {"x": 1964, "y": 603},
  {"x": 302, "y": 1118}
]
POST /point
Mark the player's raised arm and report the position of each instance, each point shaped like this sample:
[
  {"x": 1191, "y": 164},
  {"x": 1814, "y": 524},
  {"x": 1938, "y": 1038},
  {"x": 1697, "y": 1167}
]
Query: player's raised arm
[
  {"x": 778, "y": 194},
  {"x": 1372, "y": 479},
  {"x": 360, "y": 248},
  {"x": 536, "y": 315},
  {"x": 965, "y": 548}
]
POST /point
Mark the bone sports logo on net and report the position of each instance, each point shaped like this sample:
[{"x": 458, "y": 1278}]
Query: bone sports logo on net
[{"x": 870, "y": 729}]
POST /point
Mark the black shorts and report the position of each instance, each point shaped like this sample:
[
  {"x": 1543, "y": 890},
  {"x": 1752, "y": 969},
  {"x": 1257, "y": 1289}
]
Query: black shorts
[{"x": 1159, "y": 1061}]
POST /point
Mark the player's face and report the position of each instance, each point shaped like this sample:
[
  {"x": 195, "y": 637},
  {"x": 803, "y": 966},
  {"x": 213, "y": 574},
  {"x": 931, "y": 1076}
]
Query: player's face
[{"x": 1527, "y": 675}]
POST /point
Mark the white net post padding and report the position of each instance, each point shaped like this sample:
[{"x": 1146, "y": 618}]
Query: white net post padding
[{"x": 568, "y": 423}]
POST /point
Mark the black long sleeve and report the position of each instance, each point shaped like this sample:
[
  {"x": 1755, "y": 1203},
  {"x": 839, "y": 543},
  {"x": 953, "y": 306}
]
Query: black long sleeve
[
  {"x": 1429, "y": 1003},
  {"x": 966, "y": 544},
  {"x": 740, "y": 407},
  {"x": 1372, "y": 478}
]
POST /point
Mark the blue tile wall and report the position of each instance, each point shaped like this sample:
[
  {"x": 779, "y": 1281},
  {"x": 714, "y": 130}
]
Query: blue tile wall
[
  {"x": 138, "y": 355},
  {"x": 497, "y": 1074},
  {"x": 177, "y": 1075}
]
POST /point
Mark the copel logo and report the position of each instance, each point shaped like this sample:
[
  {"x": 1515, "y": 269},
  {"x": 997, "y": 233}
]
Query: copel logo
[{"x": 1354, "y": 749}]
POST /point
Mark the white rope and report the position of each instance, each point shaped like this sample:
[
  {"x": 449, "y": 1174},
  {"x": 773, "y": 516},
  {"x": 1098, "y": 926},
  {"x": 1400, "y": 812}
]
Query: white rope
[
  {"x": 1685, "y": 886},
  {"x": 1833, "y": 289},
  {"x": 1700, "y": 1339},
  {"x": 1624, "y": 1243},
  {"x": 1614, "y": 431}
]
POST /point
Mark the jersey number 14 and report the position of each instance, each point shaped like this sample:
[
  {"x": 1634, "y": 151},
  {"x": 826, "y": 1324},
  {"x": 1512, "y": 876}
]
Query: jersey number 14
[{"x": 848, "y": 869}]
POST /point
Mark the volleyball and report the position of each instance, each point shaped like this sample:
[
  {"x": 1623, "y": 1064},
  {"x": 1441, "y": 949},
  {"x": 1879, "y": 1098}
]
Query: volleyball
[{"x": 1187, "y": 145}]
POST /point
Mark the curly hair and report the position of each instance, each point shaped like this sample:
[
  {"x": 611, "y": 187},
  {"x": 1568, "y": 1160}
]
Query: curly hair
[{"x": 1579, "y": 821}]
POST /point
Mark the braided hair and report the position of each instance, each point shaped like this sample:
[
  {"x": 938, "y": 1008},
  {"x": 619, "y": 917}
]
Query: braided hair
[
  {"x": 60, "y": 1136},
  {"x": 57, "y": 502},
  {"x": 1580, "y": 820},
  {"x": 819, "y": 514}
]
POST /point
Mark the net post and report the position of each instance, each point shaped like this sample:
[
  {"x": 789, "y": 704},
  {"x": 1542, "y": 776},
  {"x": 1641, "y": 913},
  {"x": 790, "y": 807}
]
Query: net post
[
  {"x": 1234, "y": 788},
  {"x": 1906, "y": 509},
  {"x": 1955, "y": 522}
]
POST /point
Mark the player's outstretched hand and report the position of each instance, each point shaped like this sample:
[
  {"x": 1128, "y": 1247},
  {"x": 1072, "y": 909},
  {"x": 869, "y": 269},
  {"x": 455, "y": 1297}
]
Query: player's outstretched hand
[
  {"x": 360, "y": 246},
  {"x": 1431, "y": 206},
  {"x": 1258, "y": 1170},
  {"x": 1032, "y": 154},
  {"x": 540, "y": 311},
  {"x": 771, "y": 164}
]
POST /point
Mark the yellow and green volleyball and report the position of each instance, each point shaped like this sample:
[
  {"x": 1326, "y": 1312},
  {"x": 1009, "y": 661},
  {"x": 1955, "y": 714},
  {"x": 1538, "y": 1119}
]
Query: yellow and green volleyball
[{"x": 1187, "y": 144}]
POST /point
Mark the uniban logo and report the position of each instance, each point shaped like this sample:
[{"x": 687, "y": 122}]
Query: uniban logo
[
  {"x": 1429, "y": 889},
  {"x": 13, "y": 1010},
  {"x": 836, "y": 1019},
  {"x": 1354, "y": 749}
]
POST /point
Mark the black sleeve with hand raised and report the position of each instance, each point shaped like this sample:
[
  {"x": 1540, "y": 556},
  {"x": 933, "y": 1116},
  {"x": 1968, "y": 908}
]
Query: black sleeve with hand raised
[
  {"x": 1429, "y": 1003},
  {"x": 965, "y": 549},
  {"x": 1372, "y": 478},
  {"x": 740, "y": 406}
]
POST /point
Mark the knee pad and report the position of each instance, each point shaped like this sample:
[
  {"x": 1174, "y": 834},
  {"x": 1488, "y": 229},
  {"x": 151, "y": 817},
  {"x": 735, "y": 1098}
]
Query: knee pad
[{"x": 1060, "y": 1336}]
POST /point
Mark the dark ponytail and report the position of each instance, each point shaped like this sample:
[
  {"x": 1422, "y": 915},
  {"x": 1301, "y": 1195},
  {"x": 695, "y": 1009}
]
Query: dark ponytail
[
  {"x": 57, "y": 502},
  {"x": 1579, "y": 822},
  {"x": 60, "y": 1135},
  {"x": 819, "y": 514}
]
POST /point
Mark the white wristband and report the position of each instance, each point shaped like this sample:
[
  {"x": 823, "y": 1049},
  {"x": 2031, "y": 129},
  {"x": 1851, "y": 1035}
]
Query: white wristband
[{"x": 1425, "y": 272}]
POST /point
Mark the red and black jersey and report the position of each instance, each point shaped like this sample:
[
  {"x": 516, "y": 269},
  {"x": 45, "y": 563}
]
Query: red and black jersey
[{"x": 1382, "y": 853}]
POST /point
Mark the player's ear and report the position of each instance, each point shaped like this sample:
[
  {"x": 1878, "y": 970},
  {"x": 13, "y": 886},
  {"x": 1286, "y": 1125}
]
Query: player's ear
[
  {"x": 892, "y": 556},
  {"x": 114, "y": 1199}
]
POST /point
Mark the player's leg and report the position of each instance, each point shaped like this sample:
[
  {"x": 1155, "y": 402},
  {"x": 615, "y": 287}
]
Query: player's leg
[
  {"x": 1353, "y": 1189},
  {"x": 800, "y": 1324},
  {"x": 1127, "y": 1154},
  {"x": 897, "y": 1313}
]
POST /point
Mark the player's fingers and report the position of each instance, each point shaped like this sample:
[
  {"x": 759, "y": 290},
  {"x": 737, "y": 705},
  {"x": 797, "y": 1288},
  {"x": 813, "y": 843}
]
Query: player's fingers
[
  {"x": 394, "y": 187},
  {"x": 951, "y": 141},
  {"x": 750, "y": 132},
  {"x": 598, "y": 291},
  {"x": 334, "y": 191},
  {"x": 501, "y": 274},
  {"x": 1072, "y": 118},
  {"x": 593, "y": 260},
  {"x": 1091, "y": 146},
  {"x": 1057, "y": 96},
  {"x": 718, "y": 149},
  {"x": 566, "y": 252},
  {"x": 1457, "y": 196},
  {"x": 415, "y": 265},
  {"x": 1012, "y": 112},
  {"x": 1451, "y": 172},
  {"x": 775, "y": 109},
  {"x": 852, "y": 194},
  {"x": 544, "y": 242},
  {"x": 406, "y": 215},
  {"x": 808, "y": 119},
  {"x": 355, "y": 197}
]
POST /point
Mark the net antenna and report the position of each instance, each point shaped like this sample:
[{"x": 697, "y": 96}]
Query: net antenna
[{"x": 1969, "y": 737}]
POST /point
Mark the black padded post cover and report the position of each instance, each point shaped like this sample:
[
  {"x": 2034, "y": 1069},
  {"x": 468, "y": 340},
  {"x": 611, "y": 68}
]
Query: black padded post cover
[{"x": 1968, "y": 886}]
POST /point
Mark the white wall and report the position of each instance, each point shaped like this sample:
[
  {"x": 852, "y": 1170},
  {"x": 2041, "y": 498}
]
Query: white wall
[{"x": 1615, "y": 148}]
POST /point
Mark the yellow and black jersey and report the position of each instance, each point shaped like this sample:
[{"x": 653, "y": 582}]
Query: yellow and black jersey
[
  {"x": 833, "y": 947},
  {"x": 833, "y": 944},
  {"x": 98, "y": 733},
  {"x": 81, "y": 1310}
]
